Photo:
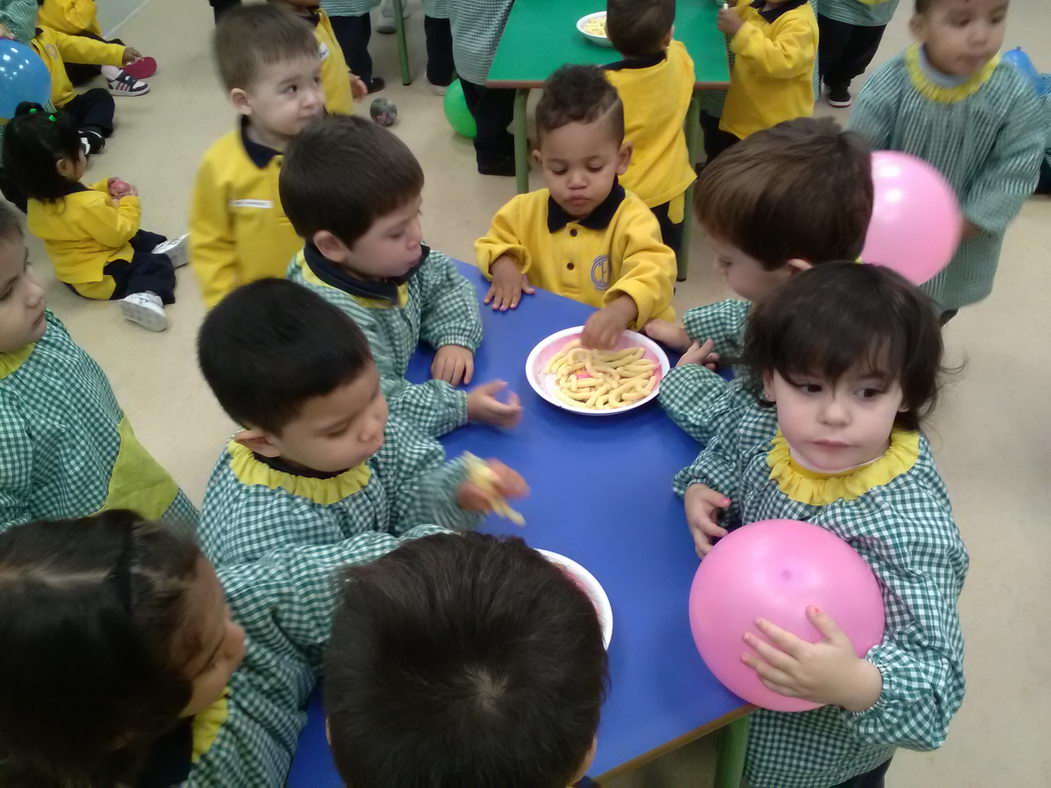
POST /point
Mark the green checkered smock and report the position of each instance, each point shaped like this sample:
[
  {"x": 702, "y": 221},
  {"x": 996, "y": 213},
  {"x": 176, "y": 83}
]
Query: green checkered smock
[
  {"x": 66, "y": 448},
  {"x": 985, "y": 136},
  {"x": 348, "y": 7},
  {"x": 902, "y": 525},
  {"x": 284, "y": 601},
  {"x": 438, "y": 306},
  {"x": 864, "y": 13},
  {"x": 250, "y": 508},
  {"x": 476, "y": 27}
]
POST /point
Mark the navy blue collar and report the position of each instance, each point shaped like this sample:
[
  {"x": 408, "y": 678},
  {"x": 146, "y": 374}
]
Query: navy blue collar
[
  {"x": 284, "y": 466},
  {"x": 339, "y": 278},
  {"x": 598, "y": 219},
  {"x": 647, "y": 61},
  {"x": 773, "y": 14},
  {"x": 169, "y": 761},
  {"x": 260, "y": 155}
]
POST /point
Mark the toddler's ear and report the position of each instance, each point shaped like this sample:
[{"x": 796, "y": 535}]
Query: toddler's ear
[
  {"x": 242, "y": 101},
  {"x": 797, "y": 266},
  {"x": 624, "y": 157},
  {"x": 768, "y": 387},
  {"x": 330, "y": 246},
  {"x": 256, "y": 440},
  {"x": 537, "y": 158}
]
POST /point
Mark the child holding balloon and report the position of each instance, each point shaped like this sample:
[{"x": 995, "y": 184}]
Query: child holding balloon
[{"x": 849, "y": 357}]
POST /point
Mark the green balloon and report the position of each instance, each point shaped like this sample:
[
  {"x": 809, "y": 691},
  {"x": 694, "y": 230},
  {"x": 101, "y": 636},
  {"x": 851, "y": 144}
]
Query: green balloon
[{"x": 456, "y": 112}]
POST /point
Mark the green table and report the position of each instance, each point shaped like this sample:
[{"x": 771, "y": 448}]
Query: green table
[{"x": 542, "y": 35}]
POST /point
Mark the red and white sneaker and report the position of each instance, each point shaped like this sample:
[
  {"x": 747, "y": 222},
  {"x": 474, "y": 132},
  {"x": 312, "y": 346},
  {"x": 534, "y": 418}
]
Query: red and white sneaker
[
  {"x": 124, "y": 84},
  {"x": 143, "y": 68}
]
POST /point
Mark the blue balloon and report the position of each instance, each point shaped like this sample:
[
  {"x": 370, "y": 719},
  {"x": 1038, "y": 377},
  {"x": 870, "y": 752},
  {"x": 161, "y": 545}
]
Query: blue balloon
[
  {"x": 23, "y": 77},
  {"x": 1020, "y": 60}
]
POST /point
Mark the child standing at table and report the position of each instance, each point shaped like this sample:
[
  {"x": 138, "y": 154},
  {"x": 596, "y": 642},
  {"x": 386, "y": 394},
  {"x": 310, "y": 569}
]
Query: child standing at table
[
  {"x": 584, "y": 236},
  {"x": 850, "y": 34},
  {"x": 353, "y": 191},
  {"x": 775, "y": 49},
  {"x": 268, "y": 60},
  {"x": 316, "y": 460},
  {"x": 950, "y": 101},
  {"x": 849, "y": 357},
  {"x": 431, "y": 694},
  {"x": 655, "y": 83}
]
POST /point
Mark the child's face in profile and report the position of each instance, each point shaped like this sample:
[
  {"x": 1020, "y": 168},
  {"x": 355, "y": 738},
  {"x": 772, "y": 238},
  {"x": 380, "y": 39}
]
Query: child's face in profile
[
  {"x": 284, "y": 98},
  {"x": 21, "y": 298},
  {"x": 745, "y": 275},
  {"x": 961, "y": 36},
  {"x": 336, "y": 431},
  {"x": 579, "y": 162},
  {"x": 390, "y": 247},
  {"x": 832, "y": 427}
]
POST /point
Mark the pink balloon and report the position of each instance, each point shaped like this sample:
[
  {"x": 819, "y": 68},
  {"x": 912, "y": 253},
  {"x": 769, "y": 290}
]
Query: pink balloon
[
  {"x": 916, "y": 222},
  {"x": 775, "y": 569}
]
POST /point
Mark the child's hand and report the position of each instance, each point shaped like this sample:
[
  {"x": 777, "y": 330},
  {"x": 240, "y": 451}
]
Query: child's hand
[
  {"x": 506, "y": 482},
  {"x": 358, "y": 88},
  {"x": 131, "y": 54},
  {"x": 702, "y": 505},
  {"x": 603, "y": 328},
  {"x": 826, "y": 672},
  {"x": 508, "y": 284},
  {"x": 117, "y": 188},
  {"x": 453, "y": 364},
  {"x": 728, "y": 21},
  {"x": 670, "y": 334},
  {"x": 484, "y": 408},
  {"x": 700, "y": 354}
]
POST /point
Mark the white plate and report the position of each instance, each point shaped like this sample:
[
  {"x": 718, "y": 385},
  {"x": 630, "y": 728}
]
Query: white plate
[
  {"x": 592, "y": 588},
  {"x": 602, "y": 41},
  {"x": 545, "y": 384}
]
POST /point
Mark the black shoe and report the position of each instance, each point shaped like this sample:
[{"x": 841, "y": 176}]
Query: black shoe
[
  {"x": 376, "y": 85},
  {"x": 92, "y": 142},
  {"x": 838, "y": 97},
  {"x": 504, "y": 166}
]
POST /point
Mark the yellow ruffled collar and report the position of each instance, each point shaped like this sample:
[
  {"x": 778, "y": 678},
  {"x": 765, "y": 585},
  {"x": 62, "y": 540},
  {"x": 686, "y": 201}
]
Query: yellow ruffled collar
[
  {"x": 946, "y": 95},
  {"x": 9, "y": 362},
  {"x": 206, "y": 725},
  {"x": 251, "y": 471},
  {"x": 820, "y": 489}
]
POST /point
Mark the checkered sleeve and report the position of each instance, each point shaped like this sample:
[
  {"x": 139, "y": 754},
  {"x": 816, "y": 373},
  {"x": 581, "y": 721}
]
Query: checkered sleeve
[
  {"x": 698, "y": 400},
  {"x": 722, "y": 322},
  {"x": 435, "y": 407},
  {"x": 450, "y": 306},
  {"x": 16, "y": 467},
  {"x": 717, "y": 465},
  {"x": 876, "y": 106}
]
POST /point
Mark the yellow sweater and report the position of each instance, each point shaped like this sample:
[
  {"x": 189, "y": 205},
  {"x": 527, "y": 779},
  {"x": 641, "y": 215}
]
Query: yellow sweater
[
  {"x": 70, "y": 16},
  {"x": 335, "y": 74},
  {"x": 656, "y": 95},
  {"x": 238, "y": 230},
  {"x": 773, "y": 73},
  {"x": 56, "y": 48},
  {"x": 616, "y": 250},
  {"x": 84, "y": 231}
]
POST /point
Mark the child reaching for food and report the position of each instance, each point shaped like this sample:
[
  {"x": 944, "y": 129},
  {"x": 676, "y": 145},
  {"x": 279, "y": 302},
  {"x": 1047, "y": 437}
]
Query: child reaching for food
[
  {"x": 91, "y": 233},
  {"x": 583, "y": 236},
  {"x": 849, "y": 358}
]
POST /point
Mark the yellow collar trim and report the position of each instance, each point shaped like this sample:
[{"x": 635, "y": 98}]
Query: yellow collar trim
[
  {"x": 820, "y": 489},
  {"x": 940, "y": 93},
  {"x": 9, "y": 362},
  {"x": 251, "y": 471},
  {"x": 368, "y": 303},
  {"x": 206, "y": 725}
]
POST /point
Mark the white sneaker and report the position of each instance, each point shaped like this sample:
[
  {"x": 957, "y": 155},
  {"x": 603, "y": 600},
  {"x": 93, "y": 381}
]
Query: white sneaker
[
  {"x": 438, "y": 90},
  {"x": 126, "y": 85},
  {"x": 175, "y": 249},
  {"x": 146, "y": 310},
  {"x": 386, "y": 23}
]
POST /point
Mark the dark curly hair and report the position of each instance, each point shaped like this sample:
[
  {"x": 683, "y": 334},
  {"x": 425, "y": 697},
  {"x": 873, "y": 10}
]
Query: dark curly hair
[{"x": 579, "y": 94}]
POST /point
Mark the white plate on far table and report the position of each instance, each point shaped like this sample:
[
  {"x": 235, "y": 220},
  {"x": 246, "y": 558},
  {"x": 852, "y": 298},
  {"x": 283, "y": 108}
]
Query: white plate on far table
[
  {"x": 594, "y": 38},
  {"x": 545, "y": 384},
  {"x": 583, "y": 578}
]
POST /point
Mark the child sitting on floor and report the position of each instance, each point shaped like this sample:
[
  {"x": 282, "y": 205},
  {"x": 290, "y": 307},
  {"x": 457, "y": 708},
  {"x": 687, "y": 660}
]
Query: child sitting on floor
[
  {"x": 950, "y": 101},
  {"x": 67, "y": 448},
  {"x": 583, "y": 236},
  {"x": 316, "y": 460},
  {"x": 849, "y": 357},
  {"x": 448, "y": 648},
  {"x": 353, "y": 190},
  {"x": 655, "y": 83},
  {"x": 91, "y": 233}
]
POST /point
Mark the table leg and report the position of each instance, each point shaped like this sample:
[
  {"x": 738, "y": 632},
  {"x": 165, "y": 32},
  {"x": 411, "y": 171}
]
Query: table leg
[
  {"x": 733, "y": 742},
  {"x": 521, "y": 141},
  {"x": 693, "y": 132},
  {"x": 403, "y": 46}
]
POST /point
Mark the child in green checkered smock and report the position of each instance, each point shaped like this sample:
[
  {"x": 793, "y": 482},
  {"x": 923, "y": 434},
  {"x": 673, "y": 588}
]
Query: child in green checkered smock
[
  {"x": 837, "y": 444},
  {"x": 317, "y": 460},
  {"x": 202, "y": 676},
  {"x": 975, "y": 119},
  {"x": 851, "y": 31},
  {"x": 66, "y": 447}
]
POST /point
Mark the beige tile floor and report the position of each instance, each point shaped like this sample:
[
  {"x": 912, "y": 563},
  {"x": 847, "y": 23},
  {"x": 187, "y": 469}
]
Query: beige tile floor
[{"x": 992, "y": 433}]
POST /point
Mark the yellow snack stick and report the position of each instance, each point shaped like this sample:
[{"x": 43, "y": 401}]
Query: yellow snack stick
[{"x": 480, "y": 474}]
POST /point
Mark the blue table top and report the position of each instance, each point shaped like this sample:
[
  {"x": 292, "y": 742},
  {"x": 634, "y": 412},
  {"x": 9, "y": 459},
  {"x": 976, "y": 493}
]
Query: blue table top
[{"x": 601, "y": 495}]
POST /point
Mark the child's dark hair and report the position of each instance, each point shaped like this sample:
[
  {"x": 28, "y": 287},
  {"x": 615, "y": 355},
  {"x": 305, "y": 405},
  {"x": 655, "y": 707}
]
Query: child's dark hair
[
  {"x": 637, "y": 28},
  {"x": 463, "y": 660},
  {"x": 34, "y": 142},
  {"x": 250, "y": 37},
  {"x": 271, "y": 345},
  {"x": 840, "y": 315},
  {"x": 579, "y": 94},
  {"x": 91, "y": 619},
  {"x": 10, "y": 224},
  {"x": 342, "y": 173},
  {"x": 800, "y": 189}
]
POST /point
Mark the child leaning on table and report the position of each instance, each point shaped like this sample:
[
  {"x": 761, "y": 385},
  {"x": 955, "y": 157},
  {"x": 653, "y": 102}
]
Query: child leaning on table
[
  {"x": 269, "y": 63},
  {"x": 353, "y": 190},
  {"x": 495, "y": 679},
  {"x": 849, "y": 358},
  {"x": 950, "y": 101},
  {"x": 316, "y": 460},
  {"x": 584, "y": 236},
  {"x": 655, "y": 83}
]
